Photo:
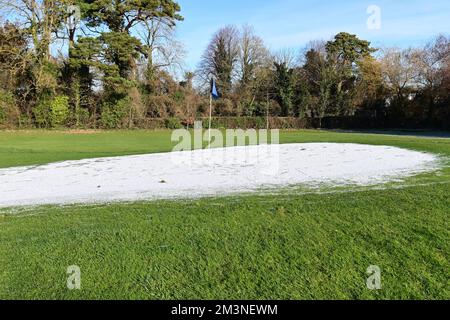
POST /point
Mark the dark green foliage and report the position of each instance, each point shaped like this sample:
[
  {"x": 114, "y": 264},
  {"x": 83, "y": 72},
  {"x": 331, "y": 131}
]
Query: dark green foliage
[
  {"x": 121, "y": 16},
  {"x": 173, "y": 123},
  {"x": 79, "y": 118},
  {"x": 2, "y": 114},
  {"x": 345, "y": 53},
  {"x": 113, "y": 115},
  {"x": 348, "y": 49},
  {"x": 9, "y": 113},
  {"x": 85, "y": 55},
  {"x": 284, "y": 88},
  {"x": 41, "y": 112},
  {"x": 120, "y": 50},
  {"x": 224, "y": 61}
]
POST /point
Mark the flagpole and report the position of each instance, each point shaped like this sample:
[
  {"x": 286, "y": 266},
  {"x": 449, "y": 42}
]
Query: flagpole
[{"x": 210, "y": 118}]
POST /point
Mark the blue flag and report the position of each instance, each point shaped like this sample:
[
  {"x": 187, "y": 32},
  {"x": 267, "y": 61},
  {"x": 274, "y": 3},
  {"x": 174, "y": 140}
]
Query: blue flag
[{"x": 214, "y": 92}]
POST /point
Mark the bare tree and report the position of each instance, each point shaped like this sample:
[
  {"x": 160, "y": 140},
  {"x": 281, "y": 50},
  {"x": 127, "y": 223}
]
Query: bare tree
[
  {"x": 252, "y": 55},
  {"x": 430, "y": 60},
  {"x": 220, "y": 59},
  {"x": 430, "y": 63},
  {"x": 40, "y": 20},
  {"x": 399, "y": 70},
  {"x": 318, "y": 46},
  {"x": 162, "y": 50},
  {"x": 287, "y": 57},
  {"x": 14, "y": 55}
]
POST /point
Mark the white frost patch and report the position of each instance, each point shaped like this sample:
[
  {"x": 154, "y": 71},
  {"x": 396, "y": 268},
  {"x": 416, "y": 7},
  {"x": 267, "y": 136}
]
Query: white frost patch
[{"x": 208, "y": 172}]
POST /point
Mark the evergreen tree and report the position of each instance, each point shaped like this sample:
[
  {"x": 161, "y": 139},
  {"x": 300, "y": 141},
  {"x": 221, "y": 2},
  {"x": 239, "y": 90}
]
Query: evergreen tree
[{"x": 284, "y": 88}]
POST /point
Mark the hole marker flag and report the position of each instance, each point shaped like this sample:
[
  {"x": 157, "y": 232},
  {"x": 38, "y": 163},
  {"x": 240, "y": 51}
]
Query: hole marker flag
[
  {"x": 213, "y": 95},
  {"x": 214, "y": 92}
]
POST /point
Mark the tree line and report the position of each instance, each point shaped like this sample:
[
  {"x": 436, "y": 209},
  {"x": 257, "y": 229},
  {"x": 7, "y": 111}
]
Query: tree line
[
  {"x": 343, "y": 77},
  {"x": 103, "y": 64}
]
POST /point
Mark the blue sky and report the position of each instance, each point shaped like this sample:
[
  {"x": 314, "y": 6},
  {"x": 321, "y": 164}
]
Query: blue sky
[{"x": 293, "y": 23}]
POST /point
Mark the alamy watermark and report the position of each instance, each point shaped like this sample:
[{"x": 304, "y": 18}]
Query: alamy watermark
[
  {"x": 374, "y": 20},
  {"x": 374, "y": 280},
  {"x": 73, "y": 16},
  {"x": 74, "y": 278},
  {"x": 257, "y": 148}
]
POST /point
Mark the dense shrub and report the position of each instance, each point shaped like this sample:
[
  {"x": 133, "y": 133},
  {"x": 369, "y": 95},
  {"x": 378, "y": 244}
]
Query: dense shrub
[
  {"x": 51, "y": 112},
  {"x": 25, "y": 121},
  {"x": 79, "y": 117},
  {"x": 9, "y": 113},
  {"x": 114, "y": 115},
  {"x": 202, "y": 108},
  {"x": 59, "y": 111},
  {"x": 173, "y": 123},
  {"x": 230, "y": 123},
  {"x": 2, "y": 114},
  {"x": 152, "y": 124},
  {"x": 41, "y": 112},
  {"x": 179, "y": 96},
  {"x": 258, "y": 123},
  {"x": 224, "y": 107},
  {"x": 248, "y": 108},
  {"x": 160, "y": 107}
]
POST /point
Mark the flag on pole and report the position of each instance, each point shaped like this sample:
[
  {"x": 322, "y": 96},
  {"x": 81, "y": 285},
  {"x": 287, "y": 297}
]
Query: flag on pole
[
  {"x": 213, "y": 95},
  {"x": 214, "y": 92}
]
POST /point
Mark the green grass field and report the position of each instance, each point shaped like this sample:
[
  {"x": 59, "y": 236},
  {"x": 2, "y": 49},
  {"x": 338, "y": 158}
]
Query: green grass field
[{"x": 291, "y": 245}]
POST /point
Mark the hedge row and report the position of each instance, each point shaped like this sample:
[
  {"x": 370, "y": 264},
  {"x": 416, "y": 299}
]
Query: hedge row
[
  {"x": 229, "y": 123},
  {"x": 355, "y": 122}
]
